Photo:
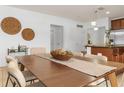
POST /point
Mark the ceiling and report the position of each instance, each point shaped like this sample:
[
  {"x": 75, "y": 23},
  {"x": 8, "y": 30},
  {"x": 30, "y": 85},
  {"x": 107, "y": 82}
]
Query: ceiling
[{"x": 77, "y": 12}]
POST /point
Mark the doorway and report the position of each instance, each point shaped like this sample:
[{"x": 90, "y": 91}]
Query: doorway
[{"x": 56, "y": 36}]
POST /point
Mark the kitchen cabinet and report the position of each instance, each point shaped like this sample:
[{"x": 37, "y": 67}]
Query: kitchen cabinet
[
  {"x": 115, "y": 54},
  {"x": 117, "y": 24},
  {"x": 122, "y": 24},
  {"x": 105, "y": 51}
]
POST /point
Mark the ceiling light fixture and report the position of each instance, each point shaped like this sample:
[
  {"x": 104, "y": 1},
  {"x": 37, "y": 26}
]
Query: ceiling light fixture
[
  {"x": 107, "y": 12},
  {"x": 98, "y": 12},
  {"x": 94, "y": 23},
  {"x": 95, "y": 28}
]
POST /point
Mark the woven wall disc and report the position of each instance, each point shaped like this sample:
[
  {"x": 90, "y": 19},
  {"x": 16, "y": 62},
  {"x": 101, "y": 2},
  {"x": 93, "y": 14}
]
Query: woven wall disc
[
  {"x": 28, "y": 34},
  {"x": 11, "y": 25}
]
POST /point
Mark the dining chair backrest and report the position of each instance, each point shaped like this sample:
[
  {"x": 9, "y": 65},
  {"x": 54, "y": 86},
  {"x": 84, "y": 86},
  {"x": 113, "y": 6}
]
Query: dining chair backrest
[
  {"x": 37, "y": 50},
  {"x": 16, "y": 73},
  {"x": 10, "y": 58},
  {"x": 13, "y": 64},
  {"x": 13, "y": 61},
  {"x": 78, "y": 54},
  {"x": 97, "y": 57}
]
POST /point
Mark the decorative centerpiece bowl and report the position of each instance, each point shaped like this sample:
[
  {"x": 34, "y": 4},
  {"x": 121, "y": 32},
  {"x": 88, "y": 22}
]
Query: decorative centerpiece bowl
[{"x": 61, "y": 54}]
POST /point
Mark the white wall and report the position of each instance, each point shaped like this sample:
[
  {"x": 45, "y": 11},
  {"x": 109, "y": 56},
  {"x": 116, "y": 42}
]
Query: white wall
[{"x": 40, "y": 23}]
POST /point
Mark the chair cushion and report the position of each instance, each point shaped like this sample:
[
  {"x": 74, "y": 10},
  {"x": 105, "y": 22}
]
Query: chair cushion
[{"x": 28, "y": 76}]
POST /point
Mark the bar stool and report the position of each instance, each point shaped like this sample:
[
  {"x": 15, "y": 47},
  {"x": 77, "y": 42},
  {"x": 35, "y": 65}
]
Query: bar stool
[{"x": 115, "y": 55}]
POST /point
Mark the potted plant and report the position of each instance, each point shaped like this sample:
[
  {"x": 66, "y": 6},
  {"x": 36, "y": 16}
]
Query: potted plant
[{"x": 107, "y": 37}]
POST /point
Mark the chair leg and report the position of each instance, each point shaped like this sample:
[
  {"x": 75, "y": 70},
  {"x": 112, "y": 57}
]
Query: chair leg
[
  {"x": 106, "y": 82},
  {"x": 12, "y": 82},
  {"x": 7, "y": 80},
  {"x": 30, "y": 82}
]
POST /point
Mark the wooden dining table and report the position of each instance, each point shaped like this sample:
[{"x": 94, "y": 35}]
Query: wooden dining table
[{"x": 52, "y": 74}]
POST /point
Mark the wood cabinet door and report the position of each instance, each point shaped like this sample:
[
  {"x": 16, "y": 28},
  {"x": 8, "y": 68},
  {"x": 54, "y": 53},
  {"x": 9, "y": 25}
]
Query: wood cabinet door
[
  {"x": 116, "y": 24},
  {"x": 122, "y": 24},
  {"x": 105, "y": 51}
]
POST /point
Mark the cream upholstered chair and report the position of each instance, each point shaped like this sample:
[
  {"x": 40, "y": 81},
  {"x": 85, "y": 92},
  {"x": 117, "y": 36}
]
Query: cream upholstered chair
[
  {"x": 99, "y": 58},
  {"x": 78, "y": 54},
  {"x": 29, "y": 77},
  {"x": 10, "y": 58},
  {"x": 37, "y": 50},
  {"x": 17, "y": 77}
]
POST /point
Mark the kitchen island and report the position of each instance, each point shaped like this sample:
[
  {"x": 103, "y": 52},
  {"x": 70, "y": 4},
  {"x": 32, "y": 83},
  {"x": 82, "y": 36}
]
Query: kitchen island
[{"x": 113, "y": 53}]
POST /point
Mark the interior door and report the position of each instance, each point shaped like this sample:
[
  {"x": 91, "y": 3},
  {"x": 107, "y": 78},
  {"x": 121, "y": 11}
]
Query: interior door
[{"x": 56, "y": 36}]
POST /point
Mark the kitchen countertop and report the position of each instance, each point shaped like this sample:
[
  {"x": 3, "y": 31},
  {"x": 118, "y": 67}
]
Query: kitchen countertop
[{"x": 102, "y": 46}]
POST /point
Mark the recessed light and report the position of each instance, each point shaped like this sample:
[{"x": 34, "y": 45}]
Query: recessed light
[
  {"x": 93, "y": 23},
  {"x": 96, "y": 28},
  {"x": 107, "y": 12}
]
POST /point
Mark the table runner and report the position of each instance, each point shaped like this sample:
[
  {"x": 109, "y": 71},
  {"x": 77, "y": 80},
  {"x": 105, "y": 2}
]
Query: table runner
[{"x": 86, "y": 67}]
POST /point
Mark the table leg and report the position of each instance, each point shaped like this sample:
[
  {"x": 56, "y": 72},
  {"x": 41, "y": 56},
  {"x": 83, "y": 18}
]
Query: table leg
[
  {"x": 22, "y": 67},
  {"x": 113, "y": 79}
]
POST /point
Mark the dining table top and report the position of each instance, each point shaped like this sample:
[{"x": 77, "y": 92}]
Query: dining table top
[
  {"x": 52, "y": 74},
  {"x": 118, "y": 65}
]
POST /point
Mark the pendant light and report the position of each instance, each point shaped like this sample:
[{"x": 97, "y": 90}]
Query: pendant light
[
  {"x": 94, "y": 23},
  {"x": 99, "y": 12}
]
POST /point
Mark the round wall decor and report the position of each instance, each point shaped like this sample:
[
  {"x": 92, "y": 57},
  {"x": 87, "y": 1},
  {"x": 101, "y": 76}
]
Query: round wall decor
[
  {"x": 28, "y": 34},
  {"x": 11, "y": 25}
]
